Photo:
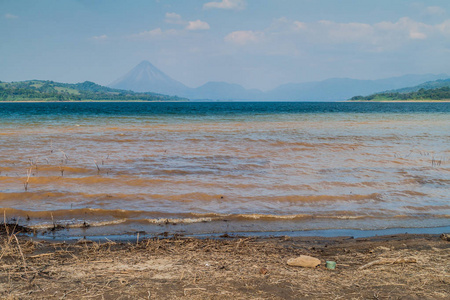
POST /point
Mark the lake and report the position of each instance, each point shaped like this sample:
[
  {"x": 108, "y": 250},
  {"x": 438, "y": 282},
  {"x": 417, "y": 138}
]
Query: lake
[{"x": 216, "y": 167}]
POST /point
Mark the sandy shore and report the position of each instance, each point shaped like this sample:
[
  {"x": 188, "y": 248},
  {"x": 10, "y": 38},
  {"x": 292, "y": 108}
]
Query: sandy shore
[{"x": 406, "y": 266}]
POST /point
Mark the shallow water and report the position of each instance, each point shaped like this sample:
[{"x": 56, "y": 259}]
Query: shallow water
[{"x": 216, "y": 167}]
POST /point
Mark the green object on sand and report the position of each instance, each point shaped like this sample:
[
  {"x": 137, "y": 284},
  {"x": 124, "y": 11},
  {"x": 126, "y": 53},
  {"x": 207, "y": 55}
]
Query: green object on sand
[{"x": 331, "y": 265}]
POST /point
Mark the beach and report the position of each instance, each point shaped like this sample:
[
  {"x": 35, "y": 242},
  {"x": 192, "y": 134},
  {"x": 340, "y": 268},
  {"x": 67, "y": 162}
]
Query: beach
[{"x": 382, "y": 267}]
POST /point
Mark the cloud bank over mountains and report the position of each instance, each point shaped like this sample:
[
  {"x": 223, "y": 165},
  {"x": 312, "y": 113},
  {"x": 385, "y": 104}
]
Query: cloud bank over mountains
[{"x": 254, "y": 43}]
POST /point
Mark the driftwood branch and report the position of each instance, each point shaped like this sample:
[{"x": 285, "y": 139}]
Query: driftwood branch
[{"x": 389, "y": 261}]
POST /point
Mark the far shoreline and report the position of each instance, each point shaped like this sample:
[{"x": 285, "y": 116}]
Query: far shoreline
[
  {"x": 93, "y": 101},
  {"x": 399, "y": 101},
  {"x": 229, "y": 101}
]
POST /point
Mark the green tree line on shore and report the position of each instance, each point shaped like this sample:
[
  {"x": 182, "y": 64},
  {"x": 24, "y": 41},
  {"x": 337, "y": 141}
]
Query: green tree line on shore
[
  {"x": 39, "y": 90},
  {"x": 442, "y": 93}
]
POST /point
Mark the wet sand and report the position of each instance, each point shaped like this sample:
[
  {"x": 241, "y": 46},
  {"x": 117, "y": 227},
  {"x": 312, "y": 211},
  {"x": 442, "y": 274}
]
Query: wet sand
[{"x": 225, "y": 268}]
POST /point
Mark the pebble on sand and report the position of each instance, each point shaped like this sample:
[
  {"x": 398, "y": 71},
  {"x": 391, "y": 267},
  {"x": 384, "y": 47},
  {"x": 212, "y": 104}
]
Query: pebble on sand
[
  {"x": 445, "y": 237},
  {"x": 304, "y": 261}
]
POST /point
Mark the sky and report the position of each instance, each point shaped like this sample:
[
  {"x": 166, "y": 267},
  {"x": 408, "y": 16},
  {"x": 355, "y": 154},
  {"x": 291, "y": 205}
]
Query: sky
[{"x": 256, "y": 43}]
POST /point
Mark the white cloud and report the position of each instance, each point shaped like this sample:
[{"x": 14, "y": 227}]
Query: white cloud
[
  {"x": 435, "y": 10},
  {"x": 299, "y": 25},
  {"x": 10, "y": 16},
  {"x": 244, "y": 37},
  {"x": 197, "y": 25},
  {"x": 100, "y": 37},
  {"x": 174, "y": 18},
  {"x": 292, "y": 38},
  {"x": 343, "y": 32},
  {"x": 149, "y": 33},
  {"x": 226, "y": 4},
  {"x": 383, "y": 35},
  {"x": 160, "y": 34},
  {"x": 444, "y": 27},
  {"x": 153, "y": 34},
  {"x": 404, "y": 28},
  {"x": 415, "y": 35}
]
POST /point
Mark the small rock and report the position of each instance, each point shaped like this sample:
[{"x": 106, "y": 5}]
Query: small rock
[
  {"x": 304, "y": 261},
  {"x": 84, "y": 241},
  {"x": 383, "y": 248},
  {"x": 445, "y": 237},
  {"x": 263, "y": 271}
]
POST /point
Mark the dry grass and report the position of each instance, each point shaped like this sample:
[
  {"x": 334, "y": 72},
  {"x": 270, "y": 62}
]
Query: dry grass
[{"x": 224, "y": 269}]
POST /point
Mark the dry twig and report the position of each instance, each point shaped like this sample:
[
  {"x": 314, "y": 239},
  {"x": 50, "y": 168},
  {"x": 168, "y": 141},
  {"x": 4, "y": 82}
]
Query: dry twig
[{"x": 389, "y": 261}]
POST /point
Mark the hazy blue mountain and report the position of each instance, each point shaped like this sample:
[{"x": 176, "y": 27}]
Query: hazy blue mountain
[
  {"x": 427, "y": 86},
  {"x": 344, "y": 88},
  {"x": 224, "y": 91},
  {"x": 145, "y": 77}
]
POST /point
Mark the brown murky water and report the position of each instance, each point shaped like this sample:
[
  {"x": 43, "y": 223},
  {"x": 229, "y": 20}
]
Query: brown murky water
[{"x": 124, "y": 172}]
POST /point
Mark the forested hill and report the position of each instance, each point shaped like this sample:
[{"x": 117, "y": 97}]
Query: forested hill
[
  {"x": 427, "y": 86},
  {"x": 437, "y": 94},
  {"x": 39, "y": 90}
]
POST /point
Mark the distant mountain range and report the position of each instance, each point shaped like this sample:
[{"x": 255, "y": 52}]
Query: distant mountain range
[
  {"x": 432, "y": 90},
  {"x": 148, "y": 83},
  {"x": 44, "y": 90},
  {"x": 146, "y": 77},
  {"x": 440, "y": 83}
]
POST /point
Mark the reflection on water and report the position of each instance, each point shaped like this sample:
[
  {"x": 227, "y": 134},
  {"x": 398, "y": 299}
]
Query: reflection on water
[{"x": 268, "y": 166}]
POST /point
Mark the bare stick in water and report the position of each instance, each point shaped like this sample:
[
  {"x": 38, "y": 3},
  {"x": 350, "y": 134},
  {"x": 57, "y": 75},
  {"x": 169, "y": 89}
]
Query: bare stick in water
[
  {"x": 61, "y": 168},
  {"x": 98, "y": 168},
  {"x": 435, "y": 162},
  {"x": 25, "y": 184},
  {"x": 106, "y": 158},
  {"x": 65, "y": 155},
  {"x": 33, "y": 163}
]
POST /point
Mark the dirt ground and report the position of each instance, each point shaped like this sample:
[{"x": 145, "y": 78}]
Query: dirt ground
[{"x": 388, "y": 267}]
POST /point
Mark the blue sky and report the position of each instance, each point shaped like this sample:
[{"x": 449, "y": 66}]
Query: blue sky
[{"x": 255, "y": 43}]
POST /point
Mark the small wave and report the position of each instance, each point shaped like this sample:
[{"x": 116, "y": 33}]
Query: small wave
[
  {"x": 323, "y": 198},
  {"x": 428, "y": 207},
  {"x": 72, "y": 224},
  {"x": 269, "y": 216},
  {"x": 179, "y": 220},
  {"x": 80, "y": 218},
  {"x": 346, "y": 217},
  {"x": 66, "y": 213},
  {"x": 273, "y": 217}
]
